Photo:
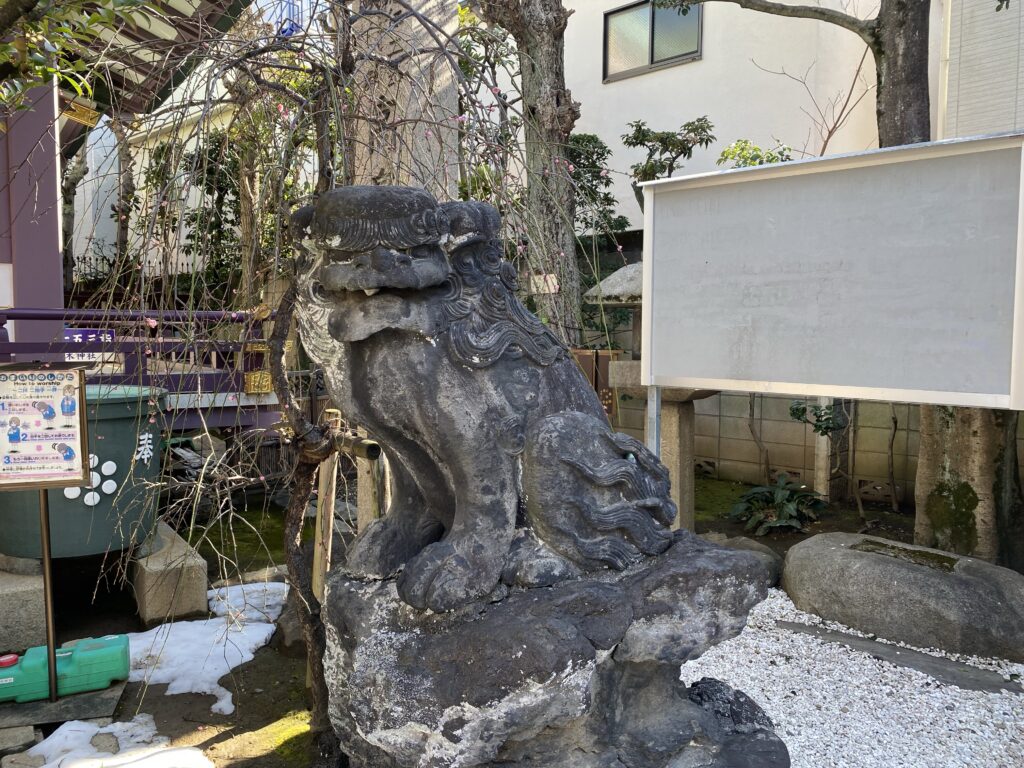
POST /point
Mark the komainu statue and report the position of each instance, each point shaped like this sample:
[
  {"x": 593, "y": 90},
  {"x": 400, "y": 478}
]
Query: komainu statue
[
  {"x": 523, "y": 602},
  {"x": 503, "y": 463}
]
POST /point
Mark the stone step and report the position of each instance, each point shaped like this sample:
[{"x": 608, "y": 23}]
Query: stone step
[{"x": 944, "y": 670}]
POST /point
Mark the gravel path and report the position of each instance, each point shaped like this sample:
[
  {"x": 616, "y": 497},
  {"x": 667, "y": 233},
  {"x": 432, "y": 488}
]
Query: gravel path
[{"x": 834, "y": 706}]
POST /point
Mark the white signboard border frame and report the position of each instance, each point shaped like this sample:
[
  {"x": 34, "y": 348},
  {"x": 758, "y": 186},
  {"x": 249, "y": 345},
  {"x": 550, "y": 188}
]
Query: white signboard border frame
[{"x": 1013, "y": 400}]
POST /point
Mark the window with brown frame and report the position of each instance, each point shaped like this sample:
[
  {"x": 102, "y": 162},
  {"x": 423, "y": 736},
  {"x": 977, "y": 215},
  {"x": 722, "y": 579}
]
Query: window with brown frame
[{"x": 640, "y": 37}]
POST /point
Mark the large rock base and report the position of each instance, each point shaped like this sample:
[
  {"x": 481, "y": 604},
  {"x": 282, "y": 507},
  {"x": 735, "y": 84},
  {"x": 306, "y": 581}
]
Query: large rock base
[{"x": 584, "y": 673}]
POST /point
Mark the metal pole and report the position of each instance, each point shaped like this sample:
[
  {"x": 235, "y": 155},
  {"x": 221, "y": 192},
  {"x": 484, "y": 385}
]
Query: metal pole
[
  {"x": 654, "y": 420},
  {"x": 51, "y": 632}
]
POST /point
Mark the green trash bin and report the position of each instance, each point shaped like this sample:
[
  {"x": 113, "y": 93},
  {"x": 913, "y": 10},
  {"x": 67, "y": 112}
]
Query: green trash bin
[{"x": 117, "y": 508}]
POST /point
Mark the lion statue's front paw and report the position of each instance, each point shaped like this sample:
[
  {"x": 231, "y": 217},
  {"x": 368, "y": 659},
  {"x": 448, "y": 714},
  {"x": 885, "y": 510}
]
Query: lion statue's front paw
[
  {"x": 443, "y": 578},
  {"x": 387, "y": 543}
]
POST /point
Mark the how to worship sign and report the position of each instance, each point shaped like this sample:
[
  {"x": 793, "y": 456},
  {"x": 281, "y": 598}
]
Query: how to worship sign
[{"x": 43, "y": 440}]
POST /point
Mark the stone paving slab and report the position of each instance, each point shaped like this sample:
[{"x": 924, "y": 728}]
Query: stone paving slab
[
  {"x": 81, "y": 706},
  {"x": 16, "y": 739},
  {"x": 944, "y": 670}
]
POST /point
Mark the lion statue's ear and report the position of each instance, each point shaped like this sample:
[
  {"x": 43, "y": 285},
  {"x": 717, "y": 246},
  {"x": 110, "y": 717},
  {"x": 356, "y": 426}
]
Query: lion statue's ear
[
  {"x": 300, "y": 221},
  {"x": 470, "y": 222}
]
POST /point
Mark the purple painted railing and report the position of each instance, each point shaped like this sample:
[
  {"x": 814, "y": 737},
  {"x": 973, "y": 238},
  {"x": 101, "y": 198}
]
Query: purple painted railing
[{"x": 141, "y": 337}]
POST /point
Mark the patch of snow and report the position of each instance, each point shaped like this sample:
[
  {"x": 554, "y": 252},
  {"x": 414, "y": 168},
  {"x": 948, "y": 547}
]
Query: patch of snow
[
  {"x": 139, "y": 746},
  {"x": 834, "y": 706},
  {"x": 191, "y": 656},
  {"x": 260, "y": 601}
]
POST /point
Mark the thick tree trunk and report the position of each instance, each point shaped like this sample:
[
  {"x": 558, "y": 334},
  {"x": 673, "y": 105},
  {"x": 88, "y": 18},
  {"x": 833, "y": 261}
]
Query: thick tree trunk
[
  {"x": 381, "y": 93},
  {"x": 12, "y": 10},
  {"x": 248, "y": 227},
  {"x": 125, "y": 192},
  {"x": 538, "y": 27},
  {"x": 244, "y": 135},
  {"x": 968, "y": 488},
  {"x": 900, "y": 49},
  {"x": 403, "y": 122}
]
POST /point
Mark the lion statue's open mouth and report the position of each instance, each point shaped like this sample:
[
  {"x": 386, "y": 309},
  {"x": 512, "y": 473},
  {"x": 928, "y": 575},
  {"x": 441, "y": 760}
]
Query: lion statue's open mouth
[{"x": 503, "y": 465}]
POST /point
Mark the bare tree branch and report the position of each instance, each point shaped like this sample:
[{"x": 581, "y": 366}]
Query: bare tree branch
[
  {"x": 865, "y": 28},
  {"x": 828, "y": 117}
]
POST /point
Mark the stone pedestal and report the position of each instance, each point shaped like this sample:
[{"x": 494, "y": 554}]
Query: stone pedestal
[
  {"x": 170, "y": 582},
  {"x": 582, "y": 674},
  {"x": 24, "y": 617},
  {"x": 905, "y": 593}
]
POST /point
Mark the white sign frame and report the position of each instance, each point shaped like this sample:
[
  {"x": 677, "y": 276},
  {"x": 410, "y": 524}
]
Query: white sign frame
[
  {"x": 654, "y": 372},
  {"x": 81, "y": 459}
]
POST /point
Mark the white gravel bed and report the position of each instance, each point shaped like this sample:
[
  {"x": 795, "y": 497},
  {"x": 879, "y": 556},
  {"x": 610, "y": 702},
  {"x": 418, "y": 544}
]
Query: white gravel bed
[{"x": 834, "y": 706}]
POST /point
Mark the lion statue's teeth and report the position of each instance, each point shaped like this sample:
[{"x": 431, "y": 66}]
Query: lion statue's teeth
[{"x": 370, "y": 291}]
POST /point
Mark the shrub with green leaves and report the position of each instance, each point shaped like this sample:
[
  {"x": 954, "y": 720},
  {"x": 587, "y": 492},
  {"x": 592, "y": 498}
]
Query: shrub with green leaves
[{"x": 784, "y": 504}]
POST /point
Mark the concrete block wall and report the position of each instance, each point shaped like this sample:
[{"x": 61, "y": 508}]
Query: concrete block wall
[
  {"x": 630, "y": 418},
  {"x": 726, "y": 448},
  {"x": 871, "y": 454}
]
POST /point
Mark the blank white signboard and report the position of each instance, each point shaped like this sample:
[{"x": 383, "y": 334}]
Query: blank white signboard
[{"x": 894, "y": 274}]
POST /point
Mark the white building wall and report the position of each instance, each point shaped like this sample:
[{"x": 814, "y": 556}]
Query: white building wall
[
  {"x": 95, "y": 231},
  {"x": 727, "y": 84},
  {"x": 985, "y": 91}
]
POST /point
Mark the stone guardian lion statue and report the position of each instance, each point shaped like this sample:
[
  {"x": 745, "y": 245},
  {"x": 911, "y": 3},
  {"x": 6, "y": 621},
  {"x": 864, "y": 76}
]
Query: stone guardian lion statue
[{"x": 504, "y": 468}]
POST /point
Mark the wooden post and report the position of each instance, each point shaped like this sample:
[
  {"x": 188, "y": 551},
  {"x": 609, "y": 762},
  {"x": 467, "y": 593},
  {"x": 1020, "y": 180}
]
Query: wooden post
[
  {"x": 51, "y": 630},
  {"x": 326, "y": 491},
  {"x": 685, "y": 497},
  {"x": 371, "y": 490},
  {"x": 669, "y": 454}
]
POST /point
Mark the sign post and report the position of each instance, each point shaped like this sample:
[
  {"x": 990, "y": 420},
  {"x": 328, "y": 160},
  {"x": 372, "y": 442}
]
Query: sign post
[{"x": 43, "y": 450}]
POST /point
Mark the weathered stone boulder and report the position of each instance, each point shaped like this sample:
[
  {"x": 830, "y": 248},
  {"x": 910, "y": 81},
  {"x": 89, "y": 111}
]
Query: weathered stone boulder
[
  {"x": 924, "y": 597},
  {"x": 582, "y": 673}
]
